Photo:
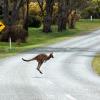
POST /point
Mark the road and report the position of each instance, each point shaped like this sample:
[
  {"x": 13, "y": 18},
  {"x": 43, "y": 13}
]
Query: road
[{"x": 68, "y": 76}]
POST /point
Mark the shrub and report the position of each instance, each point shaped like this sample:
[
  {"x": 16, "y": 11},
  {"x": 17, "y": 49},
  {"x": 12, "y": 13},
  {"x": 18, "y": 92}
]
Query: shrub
[
  {"x": 1, "y": 17},
  {"x": 16, "y": 32},
  {"x": 34, "y": 21}
]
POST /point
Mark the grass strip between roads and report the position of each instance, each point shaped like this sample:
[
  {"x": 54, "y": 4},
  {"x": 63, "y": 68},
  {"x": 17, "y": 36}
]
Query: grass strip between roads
[
  {"x": 96, "y": 64},
  {"x": 37, "y": 38}
]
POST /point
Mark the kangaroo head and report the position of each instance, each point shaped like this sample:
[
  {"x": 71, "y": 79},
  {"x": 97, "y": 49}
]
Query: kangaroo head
[{"x": 51, "y": 55}]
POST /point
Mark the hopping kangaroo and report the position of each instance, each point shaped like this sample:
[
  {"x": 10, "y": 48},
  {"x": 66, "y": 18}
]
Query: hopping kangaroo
[{"x": 41, "y": 58}]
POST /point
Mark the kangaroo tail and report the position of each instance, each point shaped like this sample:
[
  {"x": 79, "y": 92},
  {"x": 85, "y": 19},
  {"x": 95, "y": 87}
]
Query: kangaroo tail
[{"x": 27, "y": 60}]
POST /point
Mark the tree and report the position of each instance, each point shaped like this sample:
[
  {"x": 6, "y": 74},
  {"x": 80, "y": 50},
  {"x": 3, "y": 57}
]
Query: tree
[
  {"x": 5, "y": 12},
  {"x": 47, "y": 20},
  {"x": 93, "y": 9},
  {"x": 98, "y": 2},
  {"x": 25, "y": 26},
  {"x": 46, "y": 14},
  {"x": 73, "y": 17},
  {"x": 66, "y": 14},
  {"x": 10, "y": 18},
  {"x": 62, "y": 14}
]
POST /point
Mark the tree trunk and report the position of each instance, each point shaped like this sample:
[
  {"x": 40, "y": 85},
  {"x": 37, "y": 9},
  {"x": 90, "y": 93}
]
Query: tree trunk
[
  {"x": 61, "y": 23},
  {"x": 62, "y": 15},
  {"x": 72, "y": 24},
  {"x": 72, "y": 19},
  {"x": 5, "y": 12},
  {"x": 47, "y": 24},
  {"x": 25, "y": 26},
  {"x": 47, "y": 20}
]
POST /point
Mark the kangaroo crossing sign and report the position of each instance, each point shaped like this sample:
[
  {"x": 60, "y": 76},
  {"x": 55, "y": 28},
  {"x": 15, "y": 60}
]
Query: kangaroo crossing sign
[{"x": 2, "y": 26}]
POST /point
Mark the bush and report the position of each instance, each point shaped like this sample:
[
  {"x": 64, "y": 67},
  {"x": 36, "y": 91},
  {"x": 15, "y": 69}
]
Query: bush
[
  {"x": 1, "y": 17},
  {"x": 16, "y": 32},
  {"x": 34, "y": 21}
]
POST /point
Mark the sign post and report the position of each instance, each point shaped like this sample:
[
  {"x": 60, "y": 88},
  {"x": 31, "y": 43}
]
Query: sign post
[
  {"x": 10, "y": 43},
  {"x": 91, "y": 18}
]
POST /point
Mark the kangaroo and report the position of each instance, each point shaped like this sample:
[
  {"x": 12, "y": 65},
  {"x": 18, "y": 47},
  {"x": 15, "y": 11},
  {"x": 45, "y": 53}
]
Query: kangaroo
[{"x": 41, "y": 58}]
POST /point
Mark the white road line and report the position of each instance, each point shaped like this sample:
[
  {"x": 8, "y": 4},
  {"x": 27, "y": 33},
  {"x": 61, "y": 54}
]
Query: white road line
[
  {"x": 49, "y": 82},
  {"x": 70, "y": 97}
]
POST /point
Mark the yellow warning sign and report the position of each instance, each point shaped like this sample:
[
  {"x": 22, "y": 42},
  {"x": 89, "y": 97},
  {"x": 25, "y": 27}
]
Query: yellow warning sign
[{"x": 2, "y": 26}]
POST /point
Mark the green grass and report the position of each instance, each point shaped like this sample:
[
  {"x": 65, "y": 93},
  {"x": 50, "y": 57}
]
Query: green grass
[
  {"x": 96, "y": 64},
  {"x": 37, "y": 38}
]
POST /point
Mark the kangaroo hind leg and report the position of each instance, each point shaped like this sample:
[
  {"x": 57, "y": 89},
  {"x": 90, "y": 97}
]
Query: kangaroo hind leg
[{"x": 38, "y": 67}]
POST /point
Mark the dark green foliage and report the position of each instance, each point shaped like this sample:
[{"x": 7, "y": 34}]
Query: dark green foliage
[
  {"x": 16, "y": 32},
  {"x": 1, "y": 17},
  {"x": 54, "y": 20},
  {"x": 0, "y": 10},
  {"x": 34, "y": 21},
  {"x": 91, "y": 11}
]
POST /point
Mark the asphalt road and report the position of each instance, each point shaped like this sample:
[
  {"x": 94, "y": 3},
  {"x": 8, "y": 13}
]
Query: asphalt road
[{"x": 68, "y": 76}]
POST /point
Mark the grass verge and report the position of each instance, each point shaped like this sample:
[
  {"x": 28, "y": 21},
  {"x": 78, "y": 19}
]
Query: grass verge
[
  {"x": 96, "y": 64},
  {"x": 37, "y": 38}
]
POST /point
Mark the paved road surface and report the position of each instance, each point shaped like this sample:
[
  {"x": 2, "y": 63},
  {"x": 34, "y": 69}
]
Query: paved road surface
[{"x": 68, "y": 76}]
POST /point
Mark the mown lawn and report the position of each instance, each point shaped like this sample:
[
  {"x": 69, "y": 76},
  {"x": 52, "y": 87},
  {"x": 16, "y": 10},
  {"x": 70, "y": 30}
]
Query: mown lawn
[
  {"x": 37, "y": 38},
  {"x": 96, "y": 64}
]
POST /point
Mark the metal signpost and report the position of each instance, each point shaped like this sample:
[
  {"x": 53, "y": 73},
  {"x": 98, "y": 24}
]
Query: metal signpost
[{"x": 10, "y": 43}]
